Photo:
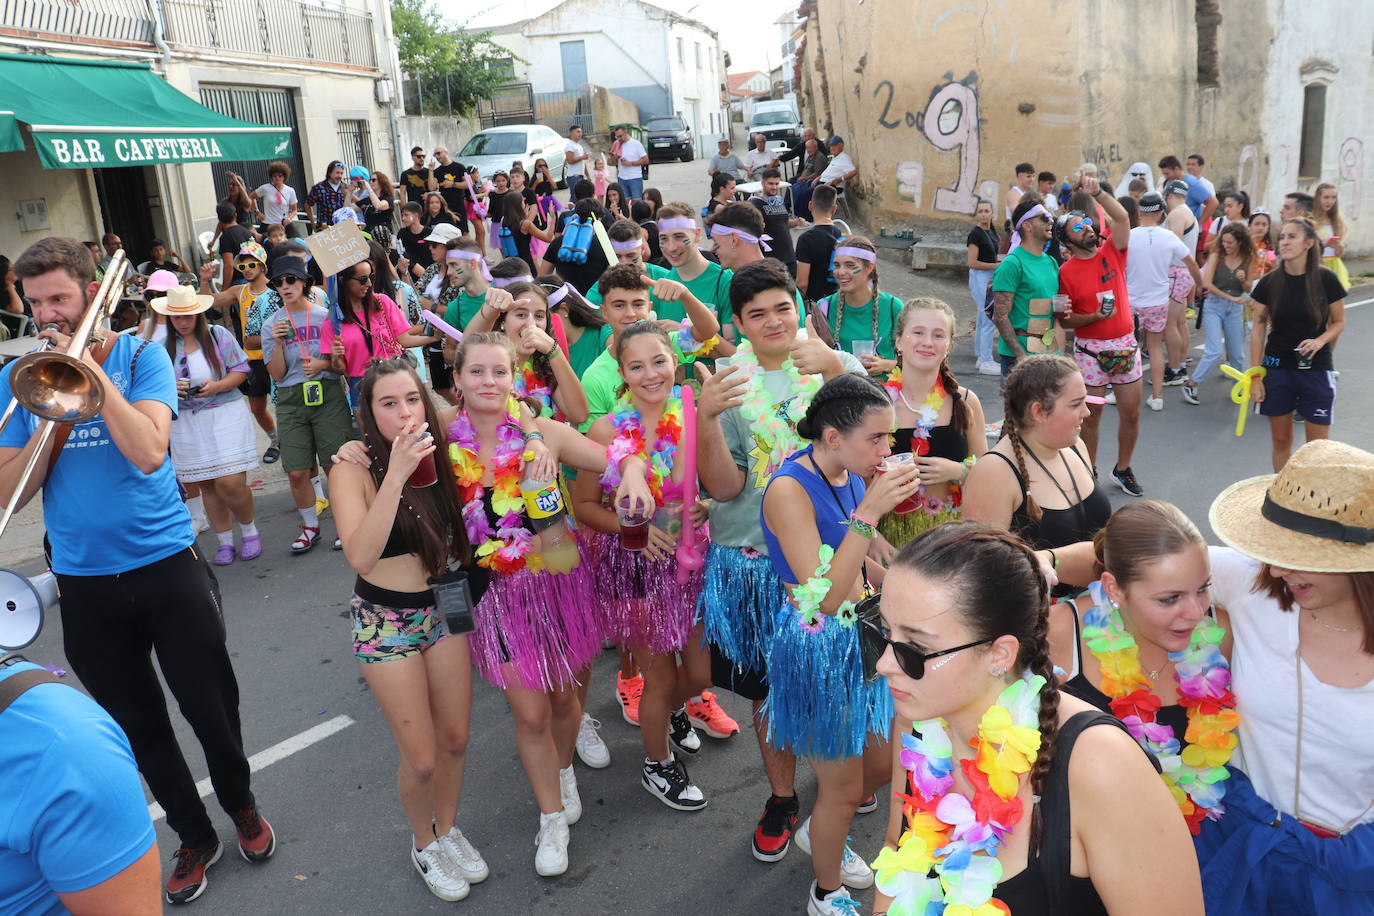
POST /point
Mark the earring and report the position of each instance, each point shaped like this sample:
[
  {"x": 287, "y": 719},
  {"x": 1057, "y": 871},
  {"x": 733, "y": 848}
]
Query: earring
[{"x": 999, "y": 671}]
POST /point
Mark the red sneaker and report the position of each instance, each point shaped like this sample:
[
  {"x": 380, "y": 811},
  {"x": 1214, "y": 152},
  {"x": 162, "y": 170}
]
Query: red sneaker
[
  {"x": 628, "y": 691},
  {"x": 773, "y": 835},
  {"x": 709, "y": 717},
  {"x": 257, "y": 841},
  {"x": 187, "y": 881}
]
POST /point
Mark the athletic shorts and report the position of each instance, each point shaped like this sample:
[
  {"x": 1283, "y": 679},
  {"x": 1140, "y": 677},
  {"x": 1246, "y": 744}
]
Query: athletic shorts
[
  {"x": 1180, "y": 284},
  {"x": 440, "y": 376},
  {"x": 1107, "y": 362},
  {"x": 1152, "y": 318},
  {"x": 389, "y": 625},
  {"x": 1309, "y": 392},
  {"x": 310, "y": 435},
  {"x": 259, "y": 383}
]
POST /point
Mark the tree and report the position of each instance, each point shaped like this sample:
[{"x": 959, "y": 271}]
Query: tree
[{"x": 453, "y": 68}]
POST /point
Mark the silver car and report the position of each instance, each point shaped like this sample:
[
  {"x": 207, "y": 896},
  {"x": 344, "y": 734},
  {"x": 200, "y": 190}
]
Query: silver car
[{"x": 497, "y": 148}]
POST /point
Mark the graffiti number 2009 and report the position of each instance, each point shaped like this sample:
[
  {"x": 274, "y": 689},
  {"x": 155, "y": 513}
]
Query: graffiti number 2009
[
  {"x": 887, "y": 107},
  {"x": 949, "y": 122}
]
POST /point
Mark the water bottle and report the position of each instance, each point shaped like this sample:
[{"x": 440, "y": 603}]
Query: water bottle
[{"x": 549, "y": 520}]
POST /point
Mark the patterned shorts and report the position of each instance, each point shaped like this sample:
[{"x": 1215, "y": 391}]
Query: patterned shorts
[
  {"x": 1180, "y": 284},
  {"x": 1107, "y": 362},
  {"x": 389, "y": 625},
  {"x": 1153, "y": 318}
]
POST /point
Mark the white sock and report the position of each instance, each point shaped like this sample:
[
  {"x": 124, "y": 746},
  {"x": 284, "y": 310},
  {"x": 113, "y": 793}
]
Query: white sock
[
  {"x": 308, "y": 517},
  {"x": 318, "y": 484},
  {"x": 249, "y": 529},
  {"x": 197, "y": 505},
  {"x": 226, "y": 538}
]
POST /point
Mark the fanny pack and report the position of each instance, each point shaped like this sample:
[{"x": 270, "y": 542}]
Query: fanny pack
[{"x": 1111, "y": 362}]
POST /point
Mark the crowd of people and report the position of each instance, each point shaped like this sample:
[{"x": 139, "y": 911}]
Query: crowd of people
[{"x": 549, "y": 429}]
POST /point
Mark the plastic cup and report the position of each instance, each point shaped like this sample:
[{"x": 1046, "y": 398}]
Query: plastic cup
[
  {"x": 864, "y": 348},
  {"x": 1060, "y": 304},
  {"x": 893, "y": 463},
  {"x": 424, "y": 474},
  {"x": 634, "y": 528}
]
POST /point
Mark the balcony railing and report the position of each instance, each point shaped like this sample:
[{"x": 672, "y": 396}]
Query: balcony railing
[
  {"x": 272, "y": 28},
  {"x": 118, "y": 21}
]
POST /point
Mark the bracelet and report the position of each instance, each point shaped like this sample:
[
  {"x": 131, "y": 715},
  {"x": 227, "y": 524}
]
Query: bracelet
[
  {"x": 533, "y": 434},
  {"x": 861, "y": 527},
  {"x": 1054, "y": 559},
  {"x": 968, "y": 464}
]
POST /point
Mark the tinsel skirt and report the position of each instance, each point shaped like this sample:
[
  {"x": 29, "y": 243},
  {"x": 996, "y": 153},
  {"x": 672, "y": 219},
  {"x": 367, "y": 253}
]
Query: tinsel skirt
[
  {"x": 899, "y": 529},
  {"x": 739, "y": 605},
  {"x": 641, "y": 604}
]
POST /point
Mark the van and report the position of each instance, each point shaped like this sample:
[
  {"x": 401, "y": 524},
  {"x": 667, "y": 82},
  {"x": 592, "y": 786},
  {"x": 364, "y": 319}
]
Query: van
[{"x": 776, "y": 120}]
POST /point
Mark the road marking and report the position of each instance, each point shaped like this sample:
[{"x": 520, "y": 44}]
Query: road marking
[
  {"x": 1348, "y": 307},
  {"x": 271, "y": 755}
]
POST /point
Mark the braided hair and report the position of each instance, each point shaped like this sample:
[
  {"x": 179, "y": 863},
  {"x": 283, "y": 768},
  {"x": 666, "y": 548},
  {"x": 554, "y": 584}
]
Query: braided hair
[
  {"x": 858, "y": 241},
  {"x": 1037, "y": 379},
  {"x": 957, "y": 418},
  {"x": 999, "y": 590},
  {"x": 840, "y": 404}
]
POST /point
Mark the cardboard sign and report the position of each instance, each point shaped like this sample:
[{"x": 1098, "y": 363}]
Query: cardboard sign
[{"x": 338, "y": 247}]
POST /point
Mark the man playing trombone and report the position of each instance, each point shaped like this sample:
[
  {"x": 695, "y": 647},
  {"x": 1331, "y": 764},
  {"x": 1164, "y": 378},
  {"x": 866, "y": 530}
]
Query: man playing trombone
[{"x": 120, "y": 543}]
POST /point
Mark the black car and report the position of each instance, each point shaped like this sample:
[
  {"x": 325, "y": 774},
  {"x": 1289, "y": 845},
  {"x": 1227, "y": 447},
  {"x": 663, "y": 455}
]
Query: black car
[{"x": 669, "y": 137}]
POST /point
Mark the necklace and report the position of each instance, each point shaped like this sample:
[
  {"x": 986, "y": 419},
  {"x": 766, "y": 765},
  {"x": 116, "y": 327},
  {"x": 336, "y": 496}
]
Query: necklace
[
  {"x": 773, "y": 426},
  {"x": 503, "y": 550},
  {"x": 1196, "y": 774},
  {"x": 630, "y": 440},
  {"x": 1328, "y": 626},
  {"x": 926, "y": 414},
  {"x": 948, "y": 833}
]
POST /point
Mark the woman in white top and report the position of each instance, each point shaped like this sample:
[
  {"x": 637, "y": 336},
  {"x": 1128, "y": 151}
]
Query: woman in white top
[{"x": 1298, "y": 584}]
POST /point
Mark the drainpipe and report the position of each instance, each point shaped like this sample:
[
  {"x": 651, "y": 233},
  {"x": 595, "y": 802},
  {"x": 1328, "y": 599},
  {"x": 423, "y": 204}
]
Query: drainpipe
[
  {"x": 160, "y": 33},
  {"x": 164, "y": 173}
]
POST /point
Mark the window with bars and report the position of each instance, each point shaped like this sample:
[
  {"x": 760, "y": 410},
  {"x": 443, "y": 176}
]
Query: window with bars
[{"x": 355, "y": 146}]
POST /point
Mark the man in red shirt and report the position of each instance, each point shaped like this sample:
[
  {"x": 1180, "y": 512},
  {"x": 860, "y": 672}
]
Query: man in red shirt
[{"x": 1099, "y": 311}]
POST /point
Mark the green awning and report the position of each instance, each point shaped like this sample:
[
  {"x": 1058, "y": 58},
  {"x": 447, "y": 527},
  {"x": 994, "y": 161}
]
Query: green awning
[{"x": 105, "y": 114}]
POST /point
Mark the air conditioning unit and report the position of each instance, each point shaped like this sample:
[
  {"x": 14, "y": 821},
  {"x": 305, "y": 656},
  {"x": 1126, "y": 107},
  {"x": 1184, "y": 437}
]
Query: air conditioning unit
[{"x": 382, "y": 91}]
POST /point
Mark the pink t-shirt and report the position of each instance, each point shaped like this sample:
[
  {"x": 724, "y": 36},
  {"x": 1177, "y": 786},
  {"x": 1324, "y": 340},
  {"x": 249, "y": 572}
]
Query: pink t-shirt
[{"x": 384, "y": 331}]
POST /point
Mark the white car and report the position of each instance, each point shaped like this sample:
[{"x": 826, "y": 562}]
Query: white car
[{"x": 495, "y": 149}]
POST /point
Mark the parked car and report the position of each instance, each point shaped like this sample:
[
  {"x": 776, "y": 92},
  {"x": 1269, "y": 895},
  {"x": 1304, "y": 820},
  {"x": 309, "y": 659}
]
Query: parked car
[
  {"x": 777, "y": 121},
  {"x": 495, "y": 148},
  {"x": 669, "y": 137}
]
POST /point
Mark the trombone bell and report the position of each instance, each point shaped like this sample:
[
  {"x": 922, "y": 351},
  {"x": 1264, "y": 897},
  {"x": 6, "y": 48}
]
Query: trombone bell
[{"x": 55, "y": 386}]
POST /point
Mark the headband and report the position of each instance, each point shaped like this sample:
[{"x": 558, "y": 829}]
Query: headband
[
  {"x": 760, "y": 240},
  {"x": 460, "y": 254},
  {"x": 626, "y": 246},
  {"x": 1037, "y": 210},
  {"x": 503, "y": 282},
  {"x": 677, "y": 222},
  {"x": 558, "y": 295},
  {"x": 863, "y": 254}
]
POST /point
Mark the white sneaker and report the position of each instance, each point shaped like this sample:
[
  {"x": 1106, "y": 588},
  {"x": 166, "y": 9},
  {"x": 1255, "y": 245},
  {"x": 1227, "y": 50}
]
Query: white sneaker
[
  {"x": 567, "y": 790},
  {"x": 199, "y": 523},
  {"x": 591, "y": 750},
  {"x": 990, "y": 367},
  {"x": 854, "y": 871},
  {"x": 836, "y": 903},
  {"x": 1154, "y": 403},
  {"x": 433, "y": 866},
  {"x": 463, "y": 856},
  {"x": 551, "y": 854},
  {"x": 1111, "y": 397}
]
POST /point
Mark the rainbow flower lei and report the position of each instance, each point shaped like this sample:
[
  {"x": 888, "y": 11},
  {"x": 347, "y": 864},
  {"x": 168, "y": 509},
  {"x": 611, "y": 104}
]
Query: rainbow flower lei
[
  {"x": 629, "y": 440},
  {"x": 689, "y": 345},
  {"x": 503, "y": 550},
  {"x": 925, "y": 416},
  {"x": 774, "y": 428},
  {"x": 1196, "y": 775},
  {"x": 947, "y": 833},
  {"x": 809, "y": 595}
]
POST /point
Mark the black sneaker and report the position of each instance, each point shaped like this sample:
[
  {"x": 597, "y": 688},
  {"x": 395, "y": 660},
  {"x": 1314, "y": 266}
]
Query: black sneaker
[
  {"x": 1190, "y": 393},
  {"x": 187, "y": 881},
  {"x": 670, "y": 785},
  {"x": 681, "y": 732},
  {"x": 1174, "y": 377},
  {"x": 1125, "y": 479},
  {"x": 773, "y": 835}
]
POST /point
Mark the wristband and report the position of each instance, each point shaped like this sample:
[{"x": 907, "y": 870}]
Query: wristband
[
  {"x": 533, "y": 434},
  {"x": 968, "y": 464},
  {"x": 1054, "y": 559},
  {"x": 861, "y": 527},
  {"x": 860, "y": 519}
]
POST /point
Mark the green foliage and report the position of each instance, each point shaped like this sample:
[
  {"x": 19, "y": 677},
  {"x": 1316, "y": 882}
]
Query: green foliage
[{"x": 452, "y": 69}]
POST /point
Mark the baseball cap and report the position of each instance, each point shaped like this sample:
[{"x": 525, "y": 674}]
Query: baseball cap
[
  {"x": 1177, "y": 186},
  {"x": 443, "y": 233},
  {"x": 159, "y": 281},
  {"x": 1152, "y": 202},
  {"x": 834, "y": 140}
]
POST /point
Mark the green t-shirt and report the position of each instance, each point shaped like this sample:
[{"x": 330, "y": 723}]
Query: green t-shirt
[
  {"x": 584, "y": 351},
  {"x": 712, "y": 289},
  {"x": 594, "y": 294},
  {"x": 463, "y": 309},
  {"x": 602, "y": 383},
  {"x": 1033, "y": 281},
  {"x": 858, "y": 323}
]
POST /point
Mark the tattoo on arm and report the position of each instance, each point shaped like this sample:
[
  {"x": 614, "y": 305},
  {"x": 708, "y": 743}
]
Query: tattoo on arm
[{"x": 1001, "y": 316}]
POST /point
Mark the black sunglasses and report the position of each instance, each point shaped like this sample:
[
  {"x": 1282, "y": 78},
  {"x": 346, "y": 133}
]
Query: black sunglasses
[
  {"x": 281, "y": 281},
  {"x": 362, "y": 281},
  {"x": 874, "y": 638}
]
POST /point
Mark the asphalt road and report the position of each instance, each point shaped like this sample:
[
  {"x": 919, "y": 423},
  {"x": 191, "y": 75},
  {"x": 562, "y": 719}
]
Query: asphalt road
[{"x": 333, "y": 803}]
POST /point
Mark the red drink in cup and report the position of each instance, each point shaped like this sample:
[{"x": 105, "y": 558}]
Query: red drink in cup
[
  {"x": 892, "y": 463},
  {"x": 424, "y": 474},
  {"x": 634, "y": 528}
]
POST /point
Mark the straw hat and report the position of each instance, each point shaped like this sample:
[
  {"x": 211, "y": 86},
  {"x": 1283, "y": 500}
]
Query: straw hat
[
  {"x": 1316, "y": 515},
  {"x": 181, "y": 300}
]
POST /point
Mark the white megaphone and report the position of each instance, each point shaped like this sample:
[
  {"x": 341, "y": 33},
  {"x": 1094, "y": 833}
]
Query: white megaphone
[{"x": 22, "y": 602}]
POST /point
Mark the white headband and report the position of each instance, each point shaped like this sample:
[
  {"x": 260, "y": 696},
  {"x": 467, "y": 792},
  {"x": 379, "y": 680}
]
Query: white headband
[
  {"x": 626, "y": 246},
  {"x": 503, "y": 282},
  {"x": 863, "y": 254},
  {"x": 677, "y": 222},
  {"x": 460, "y": 254},
  {"x": 760, "y": 240}
]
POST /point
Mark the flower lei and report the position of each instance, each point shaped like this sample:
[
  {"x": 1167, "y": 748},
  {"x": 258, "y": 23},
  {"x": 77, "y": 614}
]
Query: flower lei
[
  {"x": 629, "y": 440},
  {"x": 946, "y": 832},
  {"x": 774, "y": 429},
  {"x": 1197, "y": 776},
  {"x": 809, "y": 595},
  {"x": 689, "y": 345},
  {"x": 503, "y": 550},
  {"x": 926, "y": 416},
  {"x": 528, "y": 384}
]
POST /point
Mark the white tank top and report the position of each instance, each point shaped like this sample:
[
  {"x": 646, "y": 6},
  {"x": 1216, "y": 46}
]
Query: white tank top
[{"x": 1338, "y": 722}]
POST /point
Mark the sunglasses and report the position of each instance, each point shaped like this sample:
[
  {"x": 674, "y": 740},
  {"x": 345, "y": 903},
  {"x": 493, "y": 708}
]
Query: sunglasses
[
  {"x": 281, "y": 281},
  {"x": 362, "y": 281},
  {"x": 242, "y": 266},
  {"x": 875, "y": 638},
  {"x": 1079, "y": 226}
]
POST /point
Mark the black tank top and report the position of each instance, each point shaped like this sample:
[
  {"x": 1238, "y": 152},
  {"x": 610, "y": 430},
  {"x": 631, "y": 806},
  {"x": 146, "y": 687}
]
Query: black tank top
[
  {"x": 945, "y": 442},
  {"x": 1059, "y": 527}
]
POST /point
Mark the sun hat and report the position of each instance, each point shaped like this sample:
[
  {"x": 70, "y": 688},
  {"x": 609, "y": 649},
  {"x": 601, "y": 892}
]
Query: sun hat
[
  {"x": 159, "y": 281},
  {"x": 289, "y": 266},
  {"x": 1316, "y": 515},
  {"x": 181, "y": 300},
  {"x": 443, "y": 233},
  {"x": 252, "y": 251}
]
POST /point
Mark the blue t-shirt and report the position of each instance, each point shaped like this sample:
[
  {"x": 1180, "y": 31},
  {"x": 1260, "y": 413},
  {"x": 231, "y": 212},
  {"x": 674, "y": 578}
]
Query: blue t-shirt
[
  {"x": 1197, "y": 195},
  {"x": 104, "y": 515},
  {"x": 73, "y": 813},
  {"x": 832, "y": 505}
]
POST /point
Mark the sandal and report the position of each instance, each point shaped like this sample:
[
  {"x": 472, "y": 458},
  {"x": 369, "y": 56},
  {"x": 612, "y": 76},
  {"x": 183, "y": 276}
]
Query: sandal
[{"x": 306, "y": 539}]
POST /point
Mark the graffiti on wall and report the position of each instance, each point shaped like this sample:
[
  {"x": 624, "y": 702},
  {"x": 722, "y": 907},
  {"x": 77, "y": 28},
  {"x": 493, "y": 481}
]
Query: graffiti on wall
[
  {"x": 1285, "y": 176},
  {"x": 1350, "y": 161},
  {"x": 949, "y": 122},
  {"x": 1103, "y": 154},
  {"x": 1247, "y": 172}
]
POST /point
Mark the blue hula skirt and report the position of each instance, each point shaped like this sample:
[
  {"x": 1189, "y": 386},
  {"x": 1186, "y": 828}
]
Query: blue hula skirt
[
  {"x": 819, "y": 703},
  {"x": 739, "y": 603},
  {"x": 1252, "y": 865}
]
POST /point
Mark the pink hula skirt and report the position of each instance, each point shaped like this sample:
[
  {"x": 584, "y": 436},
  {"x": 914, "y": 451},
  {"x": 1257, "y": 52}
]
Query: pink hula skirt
[
  {"x": 536, "y": 630},
  {"x": 642, "y": 605}
]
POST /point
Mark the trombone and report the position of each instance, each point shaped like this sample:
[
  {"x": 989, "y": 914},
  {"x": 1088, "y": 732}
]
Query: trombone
[{"x": 57, "y": 385}]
